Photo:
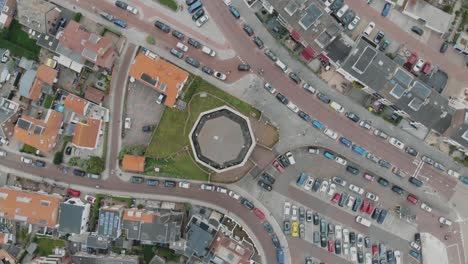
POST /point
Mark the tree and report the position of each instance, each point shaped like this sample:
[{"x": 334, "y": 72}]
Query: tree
[
  {"x": 58, "y": 158},
  {"x": 150, "y": 40},
  {"x": 77, "y": 17},
  {"x": 95, "y": 165}
]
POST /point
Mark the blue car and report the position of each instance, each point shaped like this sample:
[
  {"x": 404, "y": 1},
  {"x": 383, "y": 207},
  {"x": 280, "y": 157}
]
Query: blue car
[
  {"x": 302, "y": 178},
  {"x": 464, "y": 179},
  {"x": 318, "y": 125},
  {"x": 386, "y": 9},
  {"x": 120, "y": 23},
  {"x": 359, "y": 150},
  {"x": 234, "y": 12},
  {"x": 329, "y": 155},
  {"x": 346, "y": 142}
]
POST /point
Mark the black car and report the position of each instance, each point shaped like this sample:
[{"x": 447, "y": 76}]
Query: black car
[
  {"x": 411, "y": 151},
  {"x": 343, "y": 199},
  {"x": 390, "y": 256},
  {"x": 284, "y": 161},
  {"x": 258, "y": 41},
  {"x": 194, "y": 43},
  {"x": 178, "y": 54},
  {"x": 323, "y": 97},
  {"x": 207, "y": 70},
  {"x": 415, "y": 182},
  {"x": 352, "y": 238},
  {"x": 348, "y": 17},
  {"x": 338, "y": 246},
  {"x": 352, "y": 116},
  {"x": 78, "y": 172},
  {"x": 162, "y": 26},
  {"x": 190, "y": 2},
  {"x": 385, "y": 164},
  {"x": 179, "y": 35},
  {"x": 264, "y": 185},
  {"x": 444, "y": 47},
  {"x": 357, "y": 204},
  {"x": 398, "y": 190},
  {"x": 136, "y": 179},
  {"x": 331, "y": 229},
  {"x": 315, "y": 218},
  {"x": 39, "y": 163},
  {"x": 147, "y": 129},
  {"x": 248, "y": 204},
  {"x": 268, "y": 178},
  {"x": 194, "y": 62},
  {"x": 248, "y": 29},
  {"x": 367, "y": 242},
  {"x": 376, "y": 213},
  {"x": 323, "y": 226},
  {"x": 384, "y": 45},
  {"x": 151, "y": 182},
  {"x": 323, "y": 240},
  {"x": 352, "y": 170},
  {"x": 360, "y": 256},
  {"x": 383, "y": 182},
  {"x": 316, "y": 185},
  {"x": 200, "y": 12},
  {"x": 382, "y": 216},
  {"x": 419, "y": 31},
  {"x": 379, "y": 37},
  {"x": 268, "y": 227},
  {"x": 121, "y": 4},
  {"x": 243, "y": 67},
  {"x": 335, "y": 6},
  {"x": 417, "y": 238},
  {"x": 271, "y": 55},
  {"x": 170, "y": 184},
  {"x": 293, "y": 76},
  {"x": 276, "y": 241},
  {"x": 283, "y": 99},
  {"x": 287, "y": 227},
  {"x": 68, "y": 150},
  {"x": 304, "y": 116}
]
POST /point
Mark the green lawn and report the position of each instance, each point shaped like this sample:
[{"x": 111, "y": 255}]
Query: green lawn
[
  {"x": 171, "y": 4},
  {"x": 170, "y": 137},
  {"x": 48, "y": 101},
  {"x": 18, "y": 42},
  {"x": 45, "y": 245},
  {"x": 180, "y": 166}
]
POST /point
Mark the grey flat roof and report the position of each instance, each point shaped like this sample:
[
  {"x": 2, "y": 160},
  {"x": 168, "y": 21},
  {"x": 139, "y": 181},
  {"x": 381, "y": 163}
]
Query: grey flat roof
[
  {"x": 199, "y": 236},
  {"x": 26, "y": 82},
  {"x": 98, "y": 242},
  {"x": 70, "y": 218},
  {"x": 339, "y": 50},
  {"x": 109, "y": 223},
  {"x": 420, "y": 90},
  {"x": 403, "y": 77},
  {"x": 312, "y": 13},
  {"x": 82, "y": 258}
]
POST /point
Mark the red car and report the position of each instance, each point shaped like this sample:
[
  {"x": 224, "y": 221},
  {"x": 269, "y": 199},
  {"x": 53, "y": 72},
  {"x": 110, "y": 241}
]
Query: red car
[
  {"x": 368, "y": 177},
  {"x": 259, "y": 213},
  {"x": 375, "y": 250},
  {"x": 364, "y": 206},
  {"x": 370, "y": 209},
  {"x": 412, "y": 199},
  {"x": 412, "y": 58},
  {"x": 331, "y": 246},
  {"x": 426, "y": 68},
  {"x": 279, "y": 168},
  {"x": 73, "y": 192},
  {"x": 335, "y": 198}
]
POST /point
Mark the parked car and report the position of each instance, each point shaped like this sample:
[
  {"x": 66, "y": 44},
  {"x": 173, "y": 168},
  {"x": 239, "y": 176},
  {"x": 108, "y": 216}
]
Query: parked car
[
  {"x": 120, "y": 23},
  {"x": 365, "y": 124},
  {"x": 73, "y": 192},
  {"x": 78, "y": 172},
  {"x": 162, "y": 26},
  {"x": 208, "y": 187},
  {"x": 194, "y": 43},
  {"x": 279, "y": 168},
  {"x": 248, "y": 204},
  {"x": 445, "y": 221},
  {"x": 207, "y": 70},
  {"x": 379, "y": 37},
  {"x": 294, "y": 77},
  {"x": 264, "y": 185},
  {"x": 419, "y": 31},
  {"x": 258, "y": 42},
  {"x": 283, "y": 99},
  {"x": 202, "y": 20},
  {"x": 386, "y": 9},
  {"x": 243, "y": 67},
  {"x": 418, "y": 66},
  {"x": 384, "y": 45},
  {"x": 170, "y": 184},
  {"x": 323, "y": 97},
  {"x": 192, "y": 61},
  {"x": 178, "y": 35},
  {"x": 444, "y": 47},
  {"x": 383, "y": 182},
  {"x": 234, "y": 12},
  {"x": 352, "y": 116},
  {"x": 271, "y": 55},
  {"x": 248, "y": 29},
  {"x": 352, "y": 170},
  {"x": 354, "y": 23},
  {"x": 411, "y": 151},
  {"x": 40, "y": 163},
  {"x": 306, "y": 117},
  {"x": 348, "y": 17}
]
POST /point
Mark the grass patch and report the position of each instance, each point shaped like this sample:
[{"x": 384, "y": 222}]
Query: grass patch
[
  {"x": 170, "y": 136},
  {"x": 28, "y": 149},
  {"x": 149, "y": 251},
  {"x": 48, "y": 101},
  {"x": 180, "y": 166},
  {"x": 45, "y": 245},
  {"x": 18, "y": 42},
  {"x": 171, "y": 4}
]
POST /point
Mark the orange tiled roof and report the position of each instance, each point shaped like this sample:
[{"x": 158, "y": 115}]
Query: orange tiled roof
[
  {"x": 137, "y": 215},
  {"x": 76, "y": 104},
  {"x": 167, "y": 74},
  {"x": 94, "y": 95},
  {"x": 34, "y": 208},
  {"x": 6, "y": 256},
  {"x": 86, "y": 135},
  {"x": 133, "y": 163},
  {"x": 41, "y": 134},
  {"x": 91, "y": 46},
  {"x": 36, "y": 89},
  {"x": 3, "y": 238},
  {"x": 44, "y": 74}
]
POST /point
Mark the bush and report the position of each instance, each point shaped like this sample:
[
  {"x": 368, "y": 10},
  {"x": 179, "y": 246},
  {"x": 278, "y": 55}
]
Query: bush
[
  {"x": 150, "y": 40},
  {"x": 58, "y": 158},
  {"x": 28, "y": 149},
  {"x": 95, "y": 165},
  {"x": 77, "y": 17},
  {"x": 448, "y": 9}
]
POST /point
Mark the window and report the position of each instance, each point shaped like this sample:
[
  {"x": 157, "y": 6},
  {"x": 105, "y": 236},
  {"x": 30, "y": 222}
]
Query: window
[
  {"x": 45, "y": 203},
  {"x": 23, "y": 199}
]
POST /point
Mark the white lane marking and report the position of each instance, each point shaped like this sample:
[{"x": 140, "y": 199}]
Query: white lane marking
[
  {"x": 418, "y": 168},
  {"x": 458, "y": 252}
]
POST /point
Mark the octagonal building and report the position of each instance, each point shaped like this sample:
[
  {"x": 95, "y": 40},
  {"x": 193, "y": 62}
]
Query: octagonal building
[{"x": 222, "y": 139}]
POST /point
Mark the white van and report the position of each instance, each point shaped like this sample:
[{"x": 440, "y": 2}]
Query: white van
[
  {"x": 208, "y": 51},
  {"x": 342, "y": 11},
  {"x": 281, "y": 65},
  {"x": 363, "y": 221},
  {"x": 369, "y": 28}
]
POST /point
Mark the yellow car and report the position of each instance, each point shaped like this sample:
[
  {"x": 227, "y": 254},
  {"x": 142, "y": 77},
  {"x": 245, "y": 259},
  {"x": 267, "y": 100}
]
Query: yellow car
[{"x": 295, "y": 229}]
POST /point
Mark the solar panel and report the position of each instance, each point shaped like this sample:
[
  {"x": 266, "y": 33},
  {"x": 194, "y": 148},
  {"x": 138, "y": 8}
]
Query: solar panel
[
  {"x": 421, "y": 90},
  {"x": 397, "y": 91},
  {"x": 364, "y": 60},
  {"x": 23, "y": 124},
  {"x": 311, "y": 15},
  {"x": 38, "y": 130},
  {"x": 150, "y": 80}
]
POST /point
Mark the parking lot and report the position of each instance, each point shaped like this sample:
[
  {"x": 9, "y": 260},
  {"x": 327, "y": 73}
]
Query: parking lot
[{"x": 142, "y": 109}]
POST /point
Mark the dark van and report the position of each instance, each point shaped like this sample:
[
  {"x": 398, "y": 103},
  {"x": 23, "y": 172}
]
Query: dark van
[{"x": 415, "y": 182}]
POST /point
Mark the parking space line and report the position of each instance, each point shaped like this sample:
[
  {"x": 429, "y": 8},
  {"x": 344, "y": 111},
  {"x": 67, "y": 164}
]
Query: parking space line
[{"x": 458, "y": 252}]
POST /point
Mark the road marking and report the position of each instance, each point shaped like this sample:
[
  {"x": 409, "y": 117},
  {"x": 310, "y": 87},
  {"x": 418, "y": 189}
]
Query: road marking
[
  {"x": 458, "y": 252},
  {"x": 418, "y": 168}
]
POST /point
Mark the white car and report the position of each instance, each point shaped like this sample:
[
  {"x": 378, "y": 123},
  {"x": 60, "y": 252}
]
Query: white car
[
  {"x": 331, "y": 134},
  {"x": 337, "y": 107},
  {"x": 287, "y": 208},
  {"x": 351, "y": 200},
  {"x": 338, "y": 232},
  {"x": 372, "y": 196},
  {"x": 4, "y": 141},
  {"x": 354, "y": 23},
  {"x": 396, "y": 143},
  {"x": 324, "y": 186},
  {"x": 345, "y": 235},
  {"x": 220, "y": 75},
  {"x": 26, "y": 160},
  {"x": 331, "y": 189},
  {"x": 417, "y": 67},
  {"x": 353, "y": 252},
  {"x": 293, "y": 107},
  {"x": 453, "y": 173},
  {"x": 132, "y": 9},
  {"x": 346, "y": 248},
  {"x": 234, "y": 195},
  {"x": 294, "y": 213},
  {"x": 270, "y": 88},
  {"x": 3, "y": 153},
  {"x": 445, "y": 221},
  {"x": 202, "y": 20},
  {"x": 341, "y": 161},
  {"x": 128, "y": 123},
  {"x": 309, "y": 183},
  {"x": 184, "y": 185},
  {"x": 182, "y": 47},
  {"x": 328, "y": 2},
  {"x": 356, "y": 189},
  {"x": 290, "y": 157},
  {"x": 360, "y": 241},
  {"x": 208, "y": 187},
  {"x": 368, "y": 258},
  {"x": 426, "y": 207},
  {"x": 221, "y": 190},
  {"x": 397, "y": 254},
  {"x": 369, "y": 28},
  {"x": 415, "y": 246},
  {"x": 309, "y": 88}
]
